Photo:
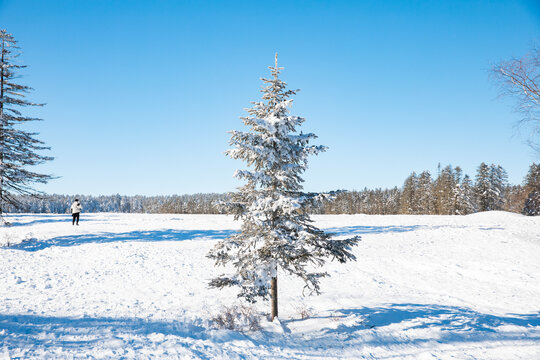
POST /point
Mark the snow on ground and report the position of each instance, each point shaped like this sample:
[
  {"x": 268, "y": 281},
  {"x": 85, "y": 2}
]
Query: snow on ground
[{"x": 135, "y": 286}]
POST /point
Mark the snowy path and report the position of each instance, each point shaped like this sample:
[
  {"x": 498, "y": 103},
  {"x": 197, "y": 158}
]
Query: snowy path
[{"x": 135, "y": 286}]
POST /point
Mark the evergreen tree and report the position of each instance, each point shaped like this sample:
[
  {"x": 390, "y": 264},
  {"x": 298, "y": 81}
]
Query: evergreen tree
[
  {"x": 464, "y": 195},
  {"x": 499, "y": 183},
  {"x": 392, "y": 203},
  {"x": 532, "y": 187},
  {"x": 18, "y": 148},
  {"x": 276, "y": 233},
  {"x": 532, "y": 204},
  {"x": 532, "y": 179},
  {"x": 444, "y": 191},
  {"x": 425, "y": 194},
  {"x": 409, "y": 195},
  {"x": 491, "y": 183},
  {"x": 482, "y": 188}
]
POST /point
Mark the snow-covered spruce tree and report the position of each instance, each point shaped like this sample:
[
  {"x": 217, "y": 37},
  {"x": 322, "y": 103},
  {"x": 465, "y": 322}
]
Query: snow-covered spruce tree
[
  {"x": 426, "y": 202},
  {"x": 482, "y": 188},
  {"x": 444, "y": 191},
  {"x": 18, "y": 148},
  {"x": 276, "y": 232},
  {"x": 464, "y": 197},
  {"x": 532, "y": 204},
  {"x": 499, "y": 181},
  {"x": 532, "y": 189},
  {"x": 491, "y": 183}
]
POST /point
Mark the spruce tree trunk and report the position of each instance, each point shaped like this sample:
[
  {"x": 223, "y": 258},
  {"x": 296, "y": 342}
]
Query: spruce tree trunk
[{"x": 274, "y": 293}]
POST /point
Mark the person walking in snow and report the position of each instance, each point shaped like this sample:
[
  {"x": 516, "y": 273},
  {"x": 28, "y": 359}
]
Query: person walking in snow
[{"x": 76, "y": 208}]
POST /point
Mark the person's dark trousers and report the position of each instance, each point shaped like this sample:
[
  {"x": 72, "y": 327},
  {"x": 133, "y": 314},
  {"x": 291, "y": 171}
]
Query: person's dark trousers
[{"x": 75, "y": 216}]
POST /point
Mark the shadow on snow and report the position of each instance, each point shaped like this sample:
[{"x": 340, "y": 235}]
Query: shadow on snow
[
  {"x": 355, "y": 230},
  {"x": 442, "y": 324},
  {"x": 136, "y": 236},
  {"x": 36, "y": 219},
  {"x": 180, "y": 235},
  {"x": 450, "y": 318},
  {"x": 173, "y": 235},
  {"x": 25, "y": 332},
  {"x": 431, "y": 325}
]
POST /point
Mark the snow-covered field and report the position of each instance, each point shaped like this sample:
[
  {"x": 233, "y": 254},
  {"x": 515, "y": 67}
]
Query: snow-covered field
[{"x": 135, "y": 286}]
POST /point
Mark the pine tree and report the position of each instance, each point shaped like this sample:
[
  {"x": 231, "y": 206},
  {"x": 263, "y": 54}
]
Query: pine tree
[
  {"x": 532, "y": 188},
  {"x": 532, "y": 179},
  {"x": 444, "y": 191},
  {"x": 499, "y": 181},
  {"x": 491, "y": 183},
  {"x": 425, "y": 193},
  {"x": 276, "y": 233},
  {"x": 464, "y": 194},
  {"x": 482, "y": 188},
  {"x": 18, "y": 148},
  {"x": 532, "y": 204},
  {"x": 409, "y": 195}
]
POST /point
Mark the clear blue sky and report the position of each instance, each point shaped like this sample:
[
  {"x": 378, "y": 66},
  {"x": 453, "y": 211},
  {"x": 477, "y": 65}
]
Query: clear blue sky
[{"x": 140, "y": 94}]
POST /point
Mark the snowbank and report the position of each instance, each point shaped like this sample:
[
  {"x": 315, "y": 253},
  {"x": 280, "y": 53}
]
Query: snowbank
[{"x": 135, "y": 286}]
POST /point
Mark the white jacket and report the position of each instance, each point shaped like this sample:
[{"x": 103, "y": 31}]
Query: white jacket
[{"x": 76, "y": 207}]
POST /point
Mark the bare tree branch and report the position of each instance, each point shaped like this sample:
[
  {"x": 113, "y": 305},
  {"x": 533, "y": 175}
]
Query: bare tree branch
[{"x": 519, "y": 78}]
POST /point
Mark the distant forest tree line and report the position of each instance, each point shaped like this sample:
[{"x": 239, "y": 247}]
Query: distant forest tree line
[{"x": 450, "y": 192}]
